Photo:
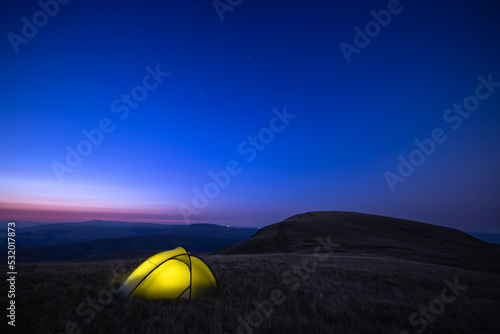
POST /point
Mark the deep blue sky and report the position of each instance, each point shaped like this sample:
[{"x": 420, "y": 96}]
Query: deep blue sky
[{"x": 353, "y": 120}]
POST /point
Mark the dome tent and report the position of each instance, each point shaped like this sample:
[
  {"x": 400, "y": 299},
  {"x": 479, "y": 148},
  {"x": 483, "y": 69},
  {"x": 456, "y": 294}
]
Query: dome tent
[{"x": 171, "y": 274}]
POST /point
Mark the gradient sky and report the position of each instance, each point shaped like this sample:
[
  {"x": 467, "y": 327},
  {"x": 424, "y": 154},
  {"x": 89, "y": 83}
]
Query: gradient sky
[{"x": 353, "y": 120}]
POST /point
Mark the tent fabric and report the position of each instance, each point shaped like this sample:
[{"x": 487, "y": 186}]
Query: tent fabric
[{"x": 171, "y": 274}]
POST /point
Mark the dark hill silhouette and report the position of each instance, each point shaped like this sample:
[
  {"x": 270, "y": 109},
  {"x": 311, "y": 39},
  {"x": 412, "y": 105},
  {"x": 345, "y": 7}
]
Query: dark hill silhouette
[{"x": 375, "y": 235}]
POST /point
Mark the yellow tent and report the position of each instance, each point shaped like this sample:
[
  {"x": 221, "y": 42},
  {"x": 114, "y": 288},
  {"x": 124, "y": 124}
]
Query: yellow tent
[{"x": 170, "y": 275}]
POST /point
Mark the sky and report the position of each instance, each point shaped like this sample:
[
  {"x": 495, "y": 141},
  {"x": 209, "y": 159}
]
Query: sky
[{"x": 247, "y": 112}]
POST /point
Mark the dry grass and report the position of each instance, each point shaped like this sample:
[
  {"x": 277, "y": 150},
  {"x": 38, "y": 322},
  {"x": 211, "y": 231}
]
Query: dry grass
[{"x": 345, "y": 294}]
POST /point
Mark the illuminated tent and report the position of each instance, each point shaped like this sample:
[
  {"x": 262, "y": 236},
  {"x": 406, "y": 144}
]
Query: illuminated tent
[{"x": 170, "y": 275}]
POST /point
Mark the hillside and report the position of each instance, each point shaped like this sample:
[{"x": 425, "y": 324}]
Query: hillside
[{"x": 358, "y": 233}]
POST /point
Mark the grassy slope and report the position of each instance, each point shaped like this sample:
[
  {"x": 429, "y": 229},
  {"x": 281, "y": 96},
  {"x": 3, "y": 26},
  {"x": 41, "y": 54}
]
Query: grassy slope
[
  {"x": 345, "y": 294},
  {"x": 370, "y": 234}
]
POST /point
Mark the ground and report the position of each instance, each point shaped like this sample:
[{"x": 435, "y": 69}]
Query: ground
[{"x": 266, "y": 293}]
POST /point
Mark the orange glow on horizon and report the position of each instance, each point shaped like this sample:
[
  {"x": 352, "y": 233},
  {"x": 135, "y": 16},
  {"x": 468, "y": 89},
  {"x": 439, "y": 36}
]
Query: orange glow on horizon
[{"x": 55, "y": 214}]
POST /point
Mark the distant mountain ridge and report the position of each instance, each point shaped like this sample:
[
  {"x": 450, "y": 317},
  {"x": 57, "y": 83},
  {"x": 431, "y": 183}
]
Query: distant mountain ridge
[
  {"x": 490, "y": 237},
  {"x": 22, "y": 224},
  {"x": 33, "y": 226},
  {"x": 62, "y": 233},
  {"x": 119, "y": 248}
]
